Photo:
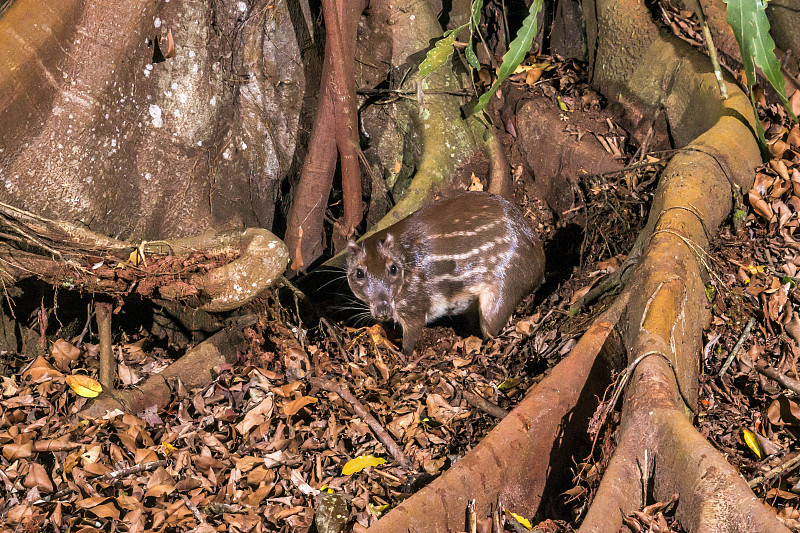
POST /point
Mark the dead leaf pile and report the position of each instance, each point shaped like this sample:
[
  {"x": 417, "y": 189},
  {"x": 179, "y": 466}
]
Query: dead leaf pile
[{"x": 751, "y": 411}]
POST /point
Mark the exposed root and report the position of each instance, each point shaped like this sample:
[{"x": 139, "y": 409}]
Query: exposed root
[{"x": 514, "y": 461}]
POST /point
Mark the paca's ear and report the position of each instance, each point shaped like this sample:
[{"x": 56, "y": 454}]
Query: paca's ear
[
  {"x": 352, "y": 247},
  {"x": 387, "y": 242}
]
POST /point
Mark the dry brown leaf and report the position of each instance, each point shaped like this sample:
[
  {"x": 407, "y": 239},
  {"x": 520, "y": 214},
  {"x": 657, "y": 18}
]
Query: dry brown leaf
[
  {"x": 158, "y": 490},
  {"x": 64, "y": 354},
  {"x": 10, "y": 387},
  {"x": 758, "y": 204},
  {"x": 91, "y": 454},
  {"x": 287, "y": 390},
  {"x": 763, "y": 183},
  {"x": 97, "y": 469},
  {"x": 432, "y": 466},
  {"x": 780, "y": 187},
  {"x": 784, "y": 411},
  {"x": 794, "y": 136},
  {"x": 134, "y": 352},
  {"x": 291, "y": 408},
  {"x": 204, "y": 463},
  {"x": 439, "y": 409},
  {"x": 37, "y": 477},
  {"x": 460, "y": 362},
  {"x": 533, "y": 75},
  {"x": 580, "y": 293},
  {"x": 780, "y": 168},
  {"x": 257, "y": 415},
  {"x": 85, "y": 386},
  {"x": 19, "y": 513},
  {"x": 41, "y": 370},
  {"x": 778, "y": 148},
  {"x": 525, "y": 326},
  {"x": 100, "y": 506},
  {"x": 260, "y": 475},
  {"x": 794, "y": 102},
  {"x": 780, "y": 493},
  {"x": 128, "y": 503},
  {"x": 792, "y": 327},
  {"x": 14, "y": 450},
  {"x": 127, "y": 375},
  {"x": 472, "y": 344}
]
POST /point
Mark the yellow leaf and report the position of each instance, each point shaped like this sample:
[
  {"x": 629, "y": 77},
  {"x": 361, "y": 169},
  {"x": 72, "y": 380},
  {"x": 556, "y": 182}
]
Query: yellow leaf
[
  {"x": 378, "y": 510},
  {"x": 521, "y": 519},
  {"x": 84, "y": 385},
  {"x": 562, "y": 105},
  {"x": 475, "y": 183},
  {"x": 360, "y": 463},
  {"x": 135, "y": 258},
  {"x": 752, "y": 442},
  {"x": 168, "y": 448}
]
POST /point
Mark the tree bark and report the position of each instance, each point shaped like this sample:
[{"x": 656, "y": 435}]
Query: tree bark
[{"x": 336, "y": 112}]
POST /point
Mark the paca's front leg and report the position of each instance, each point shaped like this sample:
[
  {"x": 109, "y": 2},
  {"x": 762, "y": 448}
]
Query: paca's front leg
[
  {"x": 412, "y": 329},
  {"x": 495, "y": 308}
]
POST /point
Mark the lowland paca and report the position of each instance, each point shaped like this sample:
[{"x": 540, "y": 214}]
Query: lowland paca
[{"x": 472, "y": 248}]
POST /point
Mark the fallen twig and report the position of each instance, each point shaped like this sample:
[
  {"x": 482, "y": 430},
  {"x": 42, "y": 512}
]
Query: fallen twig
[
  {"x": 336, "y": 338},
  {"x": 778, "y": 470},
  {"x": 773, "y": 373},
  {"x": 738, "y": 346},
  {"x": 193, "y": 508},
  {"x": 116, "y": 474},
  {"x": 484, "y": 405},
  {"x": 382, "y": 435}
]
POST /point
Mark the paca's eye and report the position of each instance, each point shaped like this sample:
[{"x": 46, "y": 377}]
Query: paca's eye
[
  {"x": 393, "y": 270},
  {"x": 359, "y": 274}
]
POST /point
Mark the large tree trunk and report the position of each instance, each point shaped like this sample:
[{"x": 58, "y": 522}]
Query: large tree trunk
[{"x": 94, "y": 132}]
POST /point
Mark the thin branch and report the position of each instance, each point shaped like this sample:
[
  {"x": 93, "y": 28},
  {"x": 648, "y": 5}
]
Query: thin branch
[
  {"x": 784, "y": 380},
  {"x": 778, "y": 470},
  {"x": 738, "y": 346},
  {"x": 343, "y": 391},
  {"x": 484, "y": 405},
  {"x": 116, "y": 474}
]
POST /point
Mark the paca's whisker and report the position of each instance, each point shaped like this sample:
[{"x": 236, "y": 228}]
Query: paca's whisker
[
  {"x": 352, "y": 299},
  {"x": 350, "y": 308},
  {"x": 361, "y": 319},
  {"x": 340, "y": 279}
]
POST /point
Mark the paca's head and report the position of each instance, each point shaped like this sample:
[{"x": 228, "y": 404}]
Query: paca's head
[{"x": 375, "y": 273}]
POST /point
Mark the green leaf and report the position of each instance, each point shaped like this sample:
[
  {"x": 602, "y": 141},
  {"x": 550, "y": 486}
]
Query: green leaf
[
  {"x": 472, "y": 59},
  {"x": 710, "y": 293},
  {"x": 475, "y": 18},
  {"x": 517, "y": 50},
  {"x": 748, "y": 19},
  {"x": 440, "y": 52},
  {"x": 477, "y": 7}
]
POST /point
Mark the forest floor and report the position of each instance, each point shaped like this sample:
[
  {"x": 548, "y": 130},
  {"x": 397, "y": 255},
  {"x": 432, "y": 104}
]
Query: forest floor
[{"x": 255, "y": 449}]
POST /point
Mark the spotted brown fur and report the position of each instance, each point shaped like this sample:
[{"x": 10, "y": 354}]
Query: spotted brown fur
[{"x": 472, "y": 248}]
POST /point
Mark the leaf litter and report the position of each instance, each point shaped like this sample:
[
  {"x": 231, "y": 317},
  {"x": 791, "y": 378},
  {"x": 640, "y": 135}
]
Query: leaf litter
[
  {"x": 285, "y": 433},
  {"x": 262, "y": 448}
]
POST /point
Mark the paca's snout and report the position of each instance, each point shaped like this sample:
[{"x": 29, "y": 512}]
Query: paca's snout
[{"x": 382, "y": 310}]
